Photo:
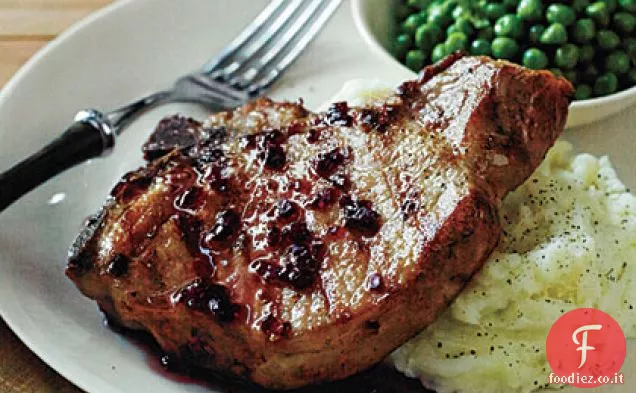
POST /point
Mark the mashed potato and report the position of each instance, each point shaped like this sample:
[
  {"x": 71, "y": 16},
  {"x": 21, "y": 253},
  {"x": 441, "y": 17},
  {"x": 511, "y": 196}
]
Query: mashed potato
[{"x": 569, "y": 241}]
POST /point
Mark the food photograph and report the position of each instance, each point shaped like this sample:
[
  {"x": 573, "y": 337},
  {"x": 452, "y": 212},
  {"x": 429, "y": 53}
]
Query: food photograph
[{"x": 366, "y": 196}]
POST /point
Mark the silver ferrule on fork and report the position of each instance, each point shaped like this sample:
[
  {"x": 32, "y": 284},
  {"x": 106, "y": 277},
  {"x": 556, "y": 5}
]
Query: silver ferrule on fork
[{"x": 98, "y": 121}]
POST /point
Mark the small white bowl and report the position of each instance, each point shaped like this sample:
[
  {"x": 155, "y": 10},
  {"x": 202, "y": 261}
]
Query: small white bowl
[{"x": 372, "y": 18}]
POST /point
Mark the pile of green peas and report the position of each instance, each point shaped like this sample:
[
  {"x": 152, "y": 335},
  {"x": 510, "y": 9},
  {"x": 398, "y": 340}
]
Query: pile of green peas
[{"x": 591, "y": 43}]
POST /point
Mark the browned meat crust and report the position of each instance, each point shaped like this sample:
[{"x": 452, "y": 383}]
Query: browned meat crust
[{"x": 289, "y": 248}]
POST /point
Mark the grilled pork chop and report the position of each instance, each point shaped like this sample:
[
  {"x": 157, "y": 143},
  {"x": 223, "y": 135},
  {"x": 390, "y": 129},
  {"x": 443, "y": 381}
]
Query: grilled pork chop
[{"x": 288, "y": 247}]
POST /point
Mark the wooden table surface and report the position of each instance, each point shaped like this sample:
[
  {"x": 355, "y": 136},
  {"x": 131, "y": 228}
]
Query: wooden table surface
[{"x": 26, "y": 26}]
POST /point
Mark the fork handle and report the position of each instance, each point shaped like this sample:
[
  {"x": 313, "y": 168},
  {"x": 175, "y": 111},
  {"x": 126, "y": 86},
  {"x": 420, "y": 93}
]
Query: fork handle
[{"x": 88, "y": 137}]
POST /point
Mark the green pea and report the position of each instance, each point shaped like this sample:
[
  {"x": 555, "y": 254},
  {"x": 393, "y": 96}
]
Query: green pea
[
  {"x": 617, "y": 62},
  {"x": 439, "y": 14},
  {"x": 556, "y": 72},
  {"x": 415, "y": 59},
  {"x": 624, "y": 22},
  {"x": 412, "y": 23},
  {"x": 487, "y": 33},
  {"x": 611, "y": 5},
  {"x": 628, "y": 5},
  {"x": 535, "y": 59},
  {"x": 480, "y": 47},
  {"x": 480, "y": 23},
  {"x": 419, "y": 4},
  {"x": 605, "y": 84},
  {"x": 583, "y": 92},
  {"x": 559, "y": 13},
  {"x": 510, "y": 4},
  {"x": 530, "y": 10},
  {"x": 464, "y": 25},
  {"x": 630, "y": 47},
  {"x": 426, "y": 36},
  {"x": 508, "y": 26},
  {"x": 439, "y": 52},
  {"x": 402, "y": 44},
  {"x": 599, "y": 12},
  {"x": 504, "y": 48},
  {"x": 494, "y": 11},
  {"x": 566, "y": 56},
  {"x": 480, "y": 5},
  {"x": 534, "y": 33},
  {"x": 461, "y": 11},
  {"x": 572, "y": 76},
  {"x": 401, "y": 11},
  {"x": 607, "y": 39},
  {"x": 631, "y": 76},
  {"x": 579, "y": 5},
  {"x": 452, "y": 29},
  {"x": 456, "y": 41},
  {"x": 586, "y": 54},
  {"x": 589, "y": 74},
  {"x": 555, "y": 34},
  {"x": 583, "y": 30}
]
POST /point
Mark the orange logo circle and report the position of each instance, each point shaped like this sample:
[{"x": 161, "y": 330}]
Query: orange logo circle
[{"x": 586, "y": 348}]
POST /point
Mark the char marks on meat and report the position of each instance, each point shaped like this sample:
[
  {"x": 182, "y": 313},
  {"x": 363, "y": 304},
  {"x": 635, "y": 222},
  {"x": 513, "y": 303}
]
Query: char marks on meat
[{"x": 290, "y": 247}]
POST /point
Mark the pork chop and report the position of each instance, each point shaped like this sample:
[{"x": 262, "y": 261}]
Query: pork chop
[{"x": 289, "y": 247}]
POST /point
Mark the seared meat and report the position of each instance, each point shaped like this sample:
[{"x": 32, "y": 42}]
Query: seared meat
[{"x": 288, "y": 247}]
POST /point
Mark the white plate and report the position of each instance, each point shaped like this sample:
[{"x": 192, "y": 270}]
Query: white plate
[{"x": 128, "y": 49}]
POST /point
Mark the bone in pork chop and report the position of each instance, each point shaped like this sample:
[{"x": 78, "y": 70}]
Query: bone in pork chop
[{"x": 289, "y": 247}]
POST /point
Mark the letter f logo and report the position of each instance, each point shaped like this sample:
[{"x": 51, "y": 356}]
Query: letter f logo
[
  {"x": 607, "y": 343},
  {"x": 583, "y": 345}
]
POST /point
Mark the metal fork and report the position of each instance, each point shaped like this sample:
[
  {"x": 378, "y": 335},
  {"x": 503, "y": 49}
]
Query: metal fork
[{"x": 243, "y": 70}]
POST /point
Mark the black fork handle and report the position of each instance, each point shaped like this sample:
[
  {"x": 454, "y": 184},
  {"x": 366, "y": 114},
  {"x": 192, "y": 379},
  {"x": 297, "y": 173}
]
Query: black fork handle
[{"x": 88, "y": 137}]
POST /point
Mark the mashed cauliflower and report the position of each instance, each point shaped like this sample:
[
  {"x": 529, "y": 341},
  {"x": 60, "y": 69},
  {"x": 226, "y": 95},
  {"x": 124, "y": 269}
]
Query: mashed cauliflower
[{"x": 569, "y": 241}]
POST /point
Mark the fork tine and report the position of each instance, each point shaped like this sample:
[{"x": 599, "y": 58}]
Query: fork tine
[
  {"x": 252, "y": 44},
  {"x": 306, "y": 34},
  {"x": 288, "y": 35},
  {"x": 261, "y": 53},
  {"x": 246, "y": 34}
]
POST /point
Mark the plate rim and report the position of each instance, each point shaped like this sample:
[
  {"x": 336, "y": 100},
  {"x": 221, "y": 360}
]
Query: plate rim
[
  {"x": 78, "y": 379},
  {"x": 83, "y": 380}
]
